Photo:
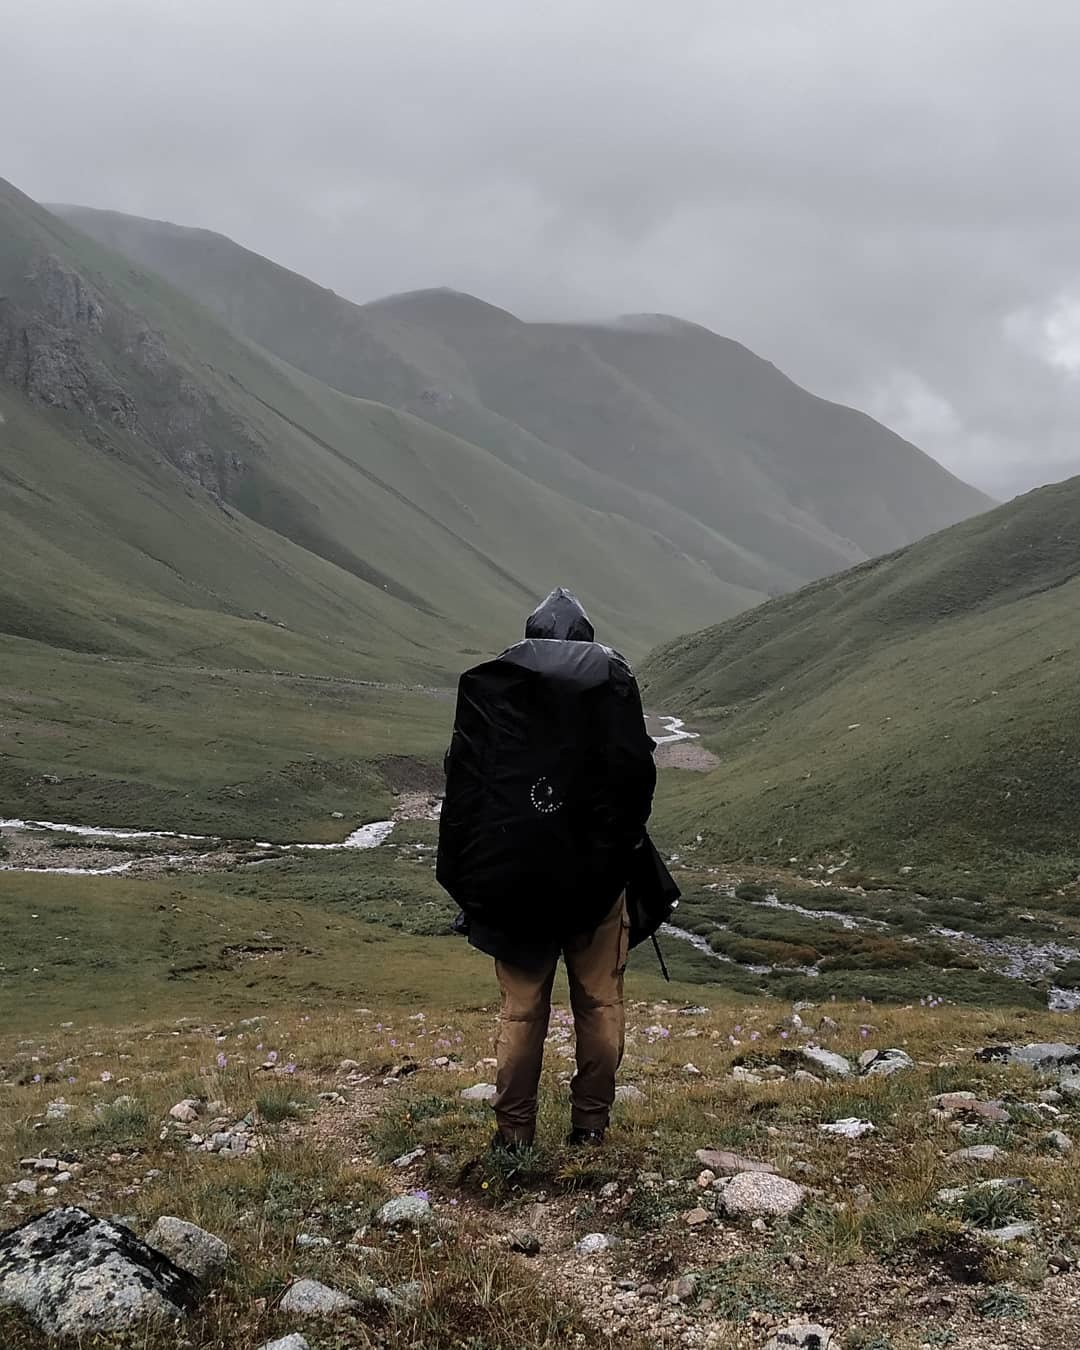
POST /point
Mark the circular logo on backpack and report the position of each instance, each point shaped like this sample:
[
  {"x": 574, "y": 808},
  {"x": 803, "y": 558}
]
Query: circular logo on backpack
[{"x": 544, "y": 798}]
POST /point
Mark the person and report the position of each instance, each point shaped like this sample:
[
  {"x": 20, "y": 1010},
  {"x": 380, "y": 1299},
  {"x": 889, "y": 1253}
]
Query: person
[{"x": 549, "y": 786}]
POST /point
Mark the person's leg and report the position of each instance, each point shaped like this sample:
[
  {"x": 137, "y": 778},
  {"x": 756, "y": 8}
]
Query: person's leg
[
  {"x": 523, "y": 1024},
  {"x": 595, "y": 965}
]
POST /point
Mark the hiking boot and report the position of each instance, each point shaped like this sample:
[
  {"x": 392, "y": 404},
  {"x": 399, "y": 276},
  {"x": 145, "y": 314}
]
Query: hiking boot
[{"x": 579, "y": 1137}]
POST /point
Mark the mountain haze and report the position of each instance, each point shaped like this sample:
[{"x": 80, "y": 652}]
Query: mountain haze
[
  {"x": 921, "y": 707},
  {"x": 662, "y": 421}
]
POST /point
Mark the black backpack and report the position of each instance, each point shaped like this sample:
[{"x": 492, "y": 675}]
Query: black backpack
[{"x": 549, "y": 786}]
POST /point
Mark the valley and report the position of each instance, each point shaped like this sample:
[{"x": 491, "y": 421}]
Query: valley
[{"x": 250, "y": 534}]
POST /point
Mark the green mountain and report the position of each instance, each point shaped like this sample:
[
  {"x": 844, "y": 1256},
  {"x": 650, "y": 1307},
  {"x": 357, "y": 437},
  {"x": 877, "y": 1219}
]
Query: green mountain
[
  {"x": 172, "y": 489},
  {"x": 660, "y": 421},
  {"x": 919, "y": 708}
]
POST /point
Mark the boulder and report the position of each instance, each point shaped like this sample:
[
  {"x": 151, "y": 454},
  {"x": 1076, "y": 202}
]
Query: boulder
[
  {"x": 189, "y": 1246},
  {"x": 73, "y": 1274},
  {"x": 725, "y": 1163},
  {"x": 404, "y": 1211},
  {"x": 1059, "y": 1141},
  {"x": 890, "y": 1062},
  {"x": 760, "y": 1195},
  {"x": 309, "y": 1298},
  {"x": 830, "y": 1063}
]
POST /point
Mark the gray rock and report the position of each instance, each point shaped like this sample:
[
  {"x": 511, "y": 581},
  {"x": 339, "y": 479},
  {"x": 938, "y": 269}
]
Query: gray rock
[
  {"x": 58, "y": 1110},
  {"x": 726, "y": 1163},
  {"x": 683, "y": 1289},
  {"x": 312, "y": 1240},
  {"x": 802, "y": 1336},
  {"x": 404, "y": 1211},
  {"x": 594, "y": 1243},
  {"x": 1059, "y": 1141},
  {"x": 1047, "y": 1056},
  {"x": 309, "y": 1298},
  {"x": 867, "y": 1058},
  {"x": 1013, "y": 1232},
  {"x": 186, "y": 1111},
  {"x": 759, "y": 1195},
  {"x": 628, "y": 1093},
  {"x": 805, "y": 1076},
  {"x": 73, "y": 1273},
  {"x": 189, "y": 1246},
  {"x": 890, "y": 1062},
  {"x": 406, "y": 1295},
  {"x": 479, "y": 1092},
  {"x": 831, "y": 1064},
  {"x": 525, "y": 1242},
  {"x": 294, "y": 1341},
  {"x": 1069, "y": 1088},
  {"x": 979, "y": 1153},
  {"x": 741, "y": 1075}
]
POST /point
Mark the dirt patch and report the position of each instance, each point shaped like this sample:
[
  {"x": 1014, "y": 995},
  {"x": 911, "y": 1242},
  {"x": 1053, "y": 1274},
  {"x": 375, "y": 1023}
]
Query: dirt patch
[
  {"x": 407, "y": 773},
  {"x": 690, "y": 755}
]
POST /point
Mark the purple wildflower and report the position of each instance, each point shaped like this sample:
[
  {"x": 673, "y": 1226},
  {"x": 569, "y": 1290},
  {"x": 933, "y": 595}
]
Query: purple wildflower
[
  {"x": 222, "y": 1061},
  {"x": 290, "y": 1067}
]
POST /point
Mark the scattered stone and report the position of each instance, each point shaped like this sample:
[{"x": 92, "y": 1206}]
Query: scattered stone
[
  {"x": 186, "y": 1111},
  {"x": 59, "y": 1110},
  {"x": 967, "y": 1104},
  {"x": 759, "y": 1194},
  {"x": 692, "y": 1070},
  {"x": 828, "y": 1026},
  {"x": 407, "y": 1159},
  {"x": 890, "y": 1062},
  {"x": 742, "y": 1075},
  {"x": 706, "y": 1178},
  {"x": 294, "y": 1341},
  {"x": 1044, "y": 1055},
  {"x": 849, "y": 1128},
  {"x": 1059, "y": 1141},
  {"x": 592, "y": 1244},
  {"x": 979, "y": 1153},
  {"x": 525, "y": 1242},
  {"x": 805, "y": 1076},
  {"x": 696, "y": 1216},
  {"x": 189, "y": 1246},
  {"x": 46, "y": 1164},
  {"x": 695, "y": 1011},
  {"x": 479, "y": 1092},
  {"x": 309, "y": 1298},
  {"x": 1013, "y": 1232},
  {"x": 405, "y": 1211},
  {"x": 73, "y": 1273},
  {"x": 683, "y": 1288},
  {"x": 627, "y": 1092},
  {"x": 1051, "y": 1096},
  {"x": 27, "y": 1186},
  {"x": 406, "y": 1295},
  {"x": 831, "y": 1064},
  {"x": 348, "y": 1066},
  {"x": 867, "y": 1058},
  {"x": 725, "y": 1163},
  {"x": 312, "y": 1240},
  {"x": 802, "y": 1336}
]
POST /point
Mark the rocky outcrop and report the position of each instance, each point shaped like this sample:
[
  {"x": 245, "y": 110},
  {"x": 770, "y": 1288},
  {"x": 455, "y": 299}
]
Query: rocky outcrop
[
  {"x": 72, "y": 1273},
  {"x": 64, "y": 347}
]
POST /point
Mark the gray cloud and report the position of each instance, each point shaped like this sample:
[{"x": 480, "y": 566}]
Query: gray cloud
[{"x": 876, "y": 196}]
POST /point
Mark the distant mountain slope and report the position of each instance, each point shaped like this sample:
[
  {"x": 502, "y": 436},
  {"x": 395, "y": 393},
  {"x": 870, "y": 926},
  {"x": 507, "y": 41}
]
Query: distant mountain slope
[
  {"x": 173, "y": 489},
  {"x": 921, "y": 710},
  {"x": 660, "y": 421}
]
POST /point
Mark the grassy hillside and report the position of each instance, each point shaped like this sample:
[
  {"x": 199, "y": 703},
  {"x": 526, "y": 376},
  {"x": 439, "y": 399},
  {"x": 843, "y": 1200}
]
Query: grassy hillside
[
  {"x": 919, "y": 711},
  {"x": 662, "y": 421}
]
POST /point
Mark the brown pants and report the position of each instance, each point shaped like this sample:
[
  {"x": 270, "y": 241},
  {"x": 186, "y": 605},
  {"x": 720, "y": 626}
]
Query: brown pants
[{"x": 595, "y": 964}]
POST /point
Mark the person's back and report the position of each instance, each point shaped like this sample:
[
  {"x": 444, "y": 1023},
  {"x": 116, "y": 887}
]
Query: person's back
[{"x": 549, "y": 787}]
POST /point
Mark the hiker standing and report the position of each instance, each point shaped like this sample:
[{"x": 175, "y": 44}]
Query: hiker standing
[{"x": 542, "y": 843}]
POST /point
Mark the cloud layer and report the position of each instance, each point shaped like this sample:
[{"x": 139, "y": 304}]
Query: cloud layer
[{"x": 879, "y": 197}]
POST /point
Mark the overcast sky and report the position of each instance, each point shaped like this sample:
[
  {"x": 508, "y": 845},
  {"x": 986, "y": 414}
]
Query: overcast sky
[{"x": 881, "y": 196}]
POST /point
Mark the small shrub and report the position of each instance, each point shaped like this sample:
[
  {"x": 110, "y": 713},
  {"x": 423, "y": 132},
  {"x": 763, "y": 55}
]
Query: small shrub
[
  {"x": 1001, "y": 1302},
  {"x": 277, "y": 1102}
]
